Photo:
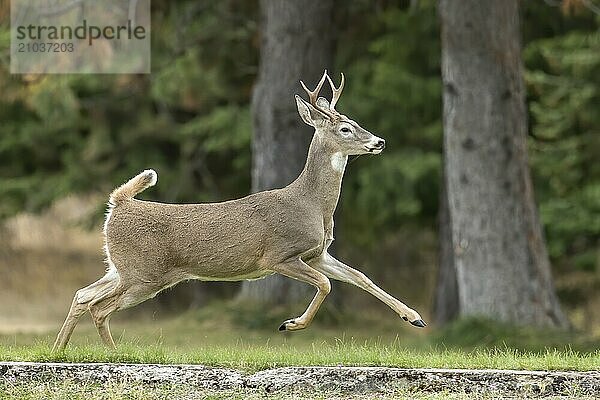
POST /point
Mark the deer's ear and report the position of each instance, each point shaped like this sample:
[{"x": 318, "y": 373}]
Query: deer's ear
[{"x": 307, "y": 112}]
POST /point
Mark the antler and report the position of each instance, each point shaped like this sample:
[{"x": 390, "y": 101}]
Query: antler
[
  {"x": 337, "y": 92},
  {"x": 314, "y": 95}
]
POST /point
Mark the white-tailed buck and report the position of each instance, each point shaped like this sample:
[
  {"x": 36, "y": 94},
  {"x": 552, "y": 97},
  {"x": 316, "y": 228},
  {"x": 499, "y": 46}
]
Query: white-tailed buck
[{"x": 151, "y": 246}]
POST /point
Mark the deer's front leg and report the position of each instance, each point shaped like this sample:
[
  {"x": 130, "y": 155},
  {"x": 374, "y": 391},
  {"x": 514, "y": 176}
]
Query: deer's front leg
[
  {"x": 299, "y": 270},
  {"x": 337, "y": 270}
]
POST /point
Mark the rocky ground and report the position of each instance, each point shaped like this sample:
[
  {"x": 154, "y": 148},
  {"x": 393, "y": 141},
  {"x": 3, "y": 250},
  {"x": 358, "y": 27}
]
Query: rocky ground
[{"x": 345, "y": 380}]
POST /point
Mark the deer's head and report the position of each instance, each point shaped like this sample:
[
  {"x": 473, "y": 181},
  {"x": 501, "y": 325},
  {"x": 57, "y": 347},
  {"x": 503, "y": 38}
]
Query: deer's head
[{"x": 339, "y": 131}]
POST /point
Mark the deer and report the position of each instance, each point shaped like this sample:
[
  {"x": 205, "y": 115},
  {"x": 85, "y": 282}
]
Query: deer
[{"x": 150, "y": 246}]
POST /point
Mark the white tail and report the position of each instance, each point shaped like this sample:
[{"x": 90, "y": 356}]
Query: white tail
[
  {"x": 135, "y": 185},
  {"x": 151, "y": 246}
]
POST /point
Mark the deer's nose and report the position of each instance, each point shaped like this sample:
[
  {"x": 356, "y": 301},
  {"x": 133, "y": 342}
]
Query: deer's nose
[{"x": 380, "y": 144}]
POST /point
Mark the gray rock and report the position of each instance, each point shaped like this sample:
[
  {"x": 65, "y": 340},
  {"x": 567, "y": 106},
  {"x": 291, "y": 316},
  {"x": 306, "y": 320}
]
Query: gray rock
[
  {"x": 197, "y": 375},
  {"x": 340, "y": 379}
]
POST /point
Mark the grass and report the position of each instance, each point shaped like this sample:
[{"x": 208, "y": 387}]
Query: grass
[
  {"x": 256, "y": 357},
  {"x": 218, "y": 336}
]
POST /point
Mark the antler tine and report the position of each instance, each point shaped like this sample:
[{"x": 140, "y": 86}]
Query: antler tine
[
  {"x": 314, "y": 95},
  {"x": 337, "y": 92}
]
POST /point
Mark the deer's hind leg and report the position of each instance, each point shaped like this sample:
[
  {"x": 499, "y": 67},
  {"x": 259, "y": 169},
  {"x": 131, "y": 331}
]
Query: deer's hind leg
[
  {"x": 130, "y": 292},
  {"x": 75, "y": 312},
  {"x": 83, "y": 300},
  {"x": 101, "y": 312}
]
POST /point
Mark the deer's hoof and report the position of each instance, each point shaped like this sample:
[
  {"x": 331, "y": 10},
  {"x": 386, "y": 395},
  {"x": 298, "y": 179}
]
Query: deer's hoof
[
  {"x": 291, "y": 325},
  {"x": 419, "y": 323},
  {"x": 288, "y": 325}
]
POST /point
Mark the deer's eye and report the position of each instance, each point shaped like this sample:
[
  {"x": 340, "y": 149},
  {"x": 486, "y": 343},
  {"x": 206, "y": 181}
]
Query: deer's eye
[{"x": 345, "y": 130}]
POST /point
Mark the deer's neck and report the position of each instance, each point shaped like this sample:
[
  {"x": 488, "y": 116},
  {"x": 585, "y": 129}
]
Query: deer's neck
[{"x": 321, "y": 179}]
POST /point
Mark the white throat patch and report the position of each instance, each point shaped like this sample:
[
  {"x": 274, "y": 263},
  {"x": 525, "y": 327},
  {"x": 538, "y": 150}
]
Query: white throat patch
[{"x": 338, "y": 162}]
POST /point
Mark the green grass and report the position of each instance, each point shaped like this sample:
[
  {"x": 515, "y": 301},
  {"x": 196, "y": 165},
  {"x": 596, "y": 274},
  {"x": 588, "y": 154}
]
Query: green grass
[
  {"x": 256, "y": 357},
  {"x": 227, "y": 336}
]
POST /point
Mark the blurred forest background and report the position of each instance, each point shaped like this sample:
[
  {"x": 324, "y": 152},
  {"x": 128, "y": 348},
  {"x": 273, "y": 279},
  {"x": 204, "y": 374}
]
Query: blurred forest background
[{"x": 67, "y": 141}]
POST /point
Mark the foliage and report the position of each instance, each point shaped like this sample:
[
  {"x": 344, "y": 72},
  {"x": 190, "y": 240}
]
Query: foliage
[
  {"x": 189, "y": 119},
  {"x": 564, "y": 86},
  {"x": 394, "y": 90}
]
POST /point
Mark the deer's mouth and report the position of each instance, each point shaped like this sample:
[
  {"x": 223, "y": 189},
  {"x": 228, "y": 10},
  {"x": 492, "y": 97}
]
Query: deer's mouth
[
  {"x": 375, "y": 145},
  {"x": 373, "y": 150}
]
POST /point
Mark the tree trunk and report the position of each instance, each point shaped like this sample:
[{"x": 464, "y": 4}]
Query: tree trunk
[
  {"x": 297, "y": 43},
  {"x": 498, "y": 250},
  {"x": 446, "y": 295}
]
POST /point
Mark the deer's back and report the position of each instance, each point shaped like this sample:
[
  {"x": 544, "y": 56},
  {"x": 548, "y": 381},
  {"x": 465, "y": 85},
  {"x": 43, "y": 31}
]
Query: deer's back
[{"x": 232, "y": 240}]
